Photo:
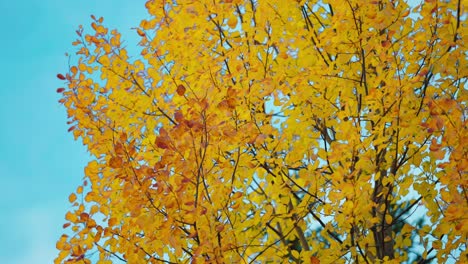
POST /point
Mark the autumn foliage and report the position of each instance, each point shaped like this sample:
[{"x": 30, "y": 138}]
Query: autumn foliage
[{"x": 271, "y": 131}]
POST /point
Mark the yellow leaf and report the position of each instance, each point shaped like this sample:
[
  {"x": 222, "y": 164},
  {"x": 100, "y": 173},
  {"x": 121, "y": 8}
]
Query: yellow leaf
[
  {"x": 388, "y": 219},
  {"x": 72, "y": 198},
  {"x": 239, "y": 125}
]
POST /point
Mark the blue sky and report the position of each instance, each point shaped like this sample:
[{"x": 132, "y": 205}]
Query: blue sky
[{"x": 40, "y": 163}]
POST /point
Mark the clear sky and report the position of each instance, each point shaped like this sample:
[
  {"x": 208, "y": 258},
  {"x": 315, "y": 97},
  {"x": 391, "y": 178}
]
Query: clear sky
[{"x": 40, "y": 163}]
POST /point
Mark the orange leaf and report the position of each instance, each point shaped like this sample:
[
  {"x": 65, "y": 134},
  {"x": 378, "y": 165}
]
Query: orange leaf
[
  {"x": 180, "y": 90},
  {"x": 237, "y": 195},
  {"x": 179, "y": 117},
  {"x": 314, "y": 260},
  {"x": 84, "y": 217},
  {"x": 140, "y": 32},
  {"x": 112, "y": 222},
  {"x": 423, "y": 72},
  {"x": 115, "y": 162},
  {"x": 162, "y": 142},
  {"x": 235, "y": 205},
  {"x": 385, "y": 43},
  {"x": 219, "y": 228}
]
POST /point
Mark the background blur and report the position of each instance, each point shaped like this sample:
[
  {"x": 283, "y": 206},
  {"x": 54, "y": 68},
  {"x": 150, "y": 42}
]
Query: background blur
[{"x": 40, "y": 163}]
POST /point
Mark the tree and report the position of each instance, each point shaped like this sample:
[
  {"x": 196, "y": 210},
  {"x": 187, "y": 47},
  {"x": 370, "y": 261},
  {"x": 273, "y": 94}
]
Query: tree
[{"x": 272, "y": 131}]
